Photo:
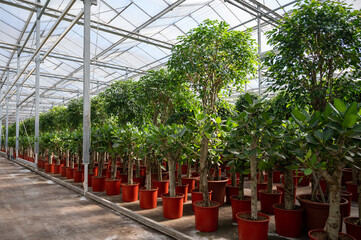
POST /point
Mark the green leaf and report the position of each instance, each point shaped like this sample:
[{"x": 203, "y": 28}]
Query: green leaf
[
  {"x": 248, "y": 98},
  {"x": 308, "y": 171},
  {"x": 349, "y": 121},
  {"x": 298, "y": 115},
  {"x": 327, "y": 134},
  {"x": 218, "y": 120},
  {"x": 339, "y": 105}
]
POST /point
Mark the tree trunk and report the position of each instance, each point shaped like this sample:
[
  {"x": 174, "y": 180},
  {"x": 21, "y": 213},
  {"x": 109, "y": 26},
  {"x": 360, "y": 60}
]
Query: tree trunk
[
  {"x": 254, "y": 187},
  {"x": 241, "y": 187},
  {"x": 203, "y": 184},
  {"x": 148, "y": 174},
  {"x": 160, "y": 172},
  {"x": 58, "y": 159},
  {"x": 114, "y": 167},
  {"x": 234, "y": 179},
  {"x": 130, "y": 170},
  {"x": 189, "y": 169},
  {"x": 288, "y": 189},
  {"x": 67, "y": 164},
  {"x": 80, "y": 160},
  {"x": 354, "y": 175},
  {"x": 334, "y": 215},
  {"x": 101, "y": 164},
  {"x": 358, "y": 173},
  {"x": 72, "y": 160},
  {"x": 137, "y": 168},
  {"x": 171, "y": 177},
  {"x": 269, "y": 180},
  {"x": 92, "y": 160}
]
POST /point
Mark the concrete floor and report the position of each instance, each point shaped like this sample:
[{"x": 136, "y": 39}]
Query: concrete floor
[
  {"x": 32, "y": 207},
  {"x": 71, "y": 207}
]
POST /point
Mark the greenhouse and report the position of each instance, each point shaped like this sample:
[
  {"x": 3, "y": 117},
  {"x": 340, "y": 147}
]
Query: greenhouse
[{"x": 180, "y": 119}]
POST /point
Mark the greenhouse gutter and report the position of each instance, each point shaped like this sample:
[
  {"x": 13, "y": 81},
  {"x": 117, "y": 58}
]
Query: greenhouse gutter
[{"x": 124, "y": 211}]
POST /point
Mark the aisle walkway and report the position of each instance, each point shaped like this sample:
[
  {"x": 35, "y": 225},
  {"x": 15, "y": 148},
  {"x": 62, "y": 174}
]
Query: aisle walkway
[{"x": 32, "y": 207}]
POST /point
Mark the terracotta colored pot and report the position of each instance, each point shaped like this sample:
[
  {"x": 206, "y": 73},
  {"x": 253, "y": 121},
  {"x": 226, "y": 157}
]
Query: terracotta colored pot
[
  {"x": 310, "y": 234},
  {"x": 112, "y": 187},
  {"x": 323, "y": 185},
  {"x": 162, "y": 186},
  {"x": 140, "y": 180},
  {"x": 352, "y": 188},
  {"x": 195, "y": 174},
  {"x": 57, "y": 168},
  {"x": 130, "y": 192},
  {"x": 191, "y": 183},
  {"x": 98, "y": 184},
  {"x": 276, "y": 176},
  {"x": 206, "y": 218},
  {"x": 78, "y": 175},
  {"x": 69, "y": 173},
  {"x": 230, "y": 191},
  {"x": 148, "y": 198},
  {"x": 260, "y": 186},
  {"x": 268, "y": 199},
  {"x": 252, "y": 230},
  {"x": 352, "y": 228},
  {"x": 348, "y": 196},
  {"x": 316, "y": 213},
  {"x": 63, "y": 171},
  {"x": 288, "y": 222},
  {"x": 90, "y": 182},
  {"x": 346, "y": 175},
  {"x": 184, "y": 168},
  {"x": 301, "y": 179},
  {"x": 123, "y": 177},
  {"x": 49, "y": 168},
  {"x": 172, "y": 206},
  {"x": 240, "y": 206},
  {"x": 184, "y": 190},
  {"x": 218, "y": 188},
  {"x": 198, "y": 196}
]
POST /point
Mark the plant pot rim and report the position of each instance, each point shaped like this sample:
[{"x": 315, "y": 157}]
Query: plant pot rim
[
  {"x": 223, "y": 179},
  {"x": 346, "y": 193},
  {"x": 126, "y": 184},
  {"x": 235, "y": 197},
  {"x": 322, "y": 230},
  {"x": 350, "y": 183},
  {"x": 347, "y": 218},
  {"x": 112, "y": 180},
  {"x": 300, "y": 198},
  {"x": 274, "y": 192},
  {"x": 277, "y": 205},
  {"x": 217, "y": 204},
  {"x": 167, "y": 180},
  {"x": 97, "y": 177},
  {"x": 142, "y": 189},
  {"x": 183, "y": 185},
  {"x": 189, "y": 178},
  {"x": 258, "y": 214},
  {"x": 178, "y": 195}
]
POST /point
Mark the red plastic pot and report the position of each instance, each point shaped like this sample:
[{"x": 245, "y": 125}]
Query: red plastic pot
[
  {"x": 218, "y": 188},
  {"x": 191, "y": 183},
  {"x": 346, "y": 175},
  {"x": 184, "y": 190},
  {"x": 268, "y": 199},
  {"x": 172, "y": 206},
  {"x": 184, "y": 169},
  {"x": 112, "y": 187},
  {"x": 78, "y": 175},
  {"x": 281, "y": 188},
  {"x": 49, "y": 168},
  {"x": 140, "y": 180},
  {"x": 98, "y": 184},
  {"x": 130, "y": 192},
  {"x": 63, "y": 171},
  {"x": 195, "y": 174},
  {"x": 260, "y": 186},
  {"x": 311, "y": 232},
  {"x": 352, "y": 188},
  {"x": 323, "y": 185},
  {"x": 162, "y": 187},
  {"x": 252, "y": 230},
  {"x": 230, "y": 191},
  {"x": 206, "y": 218},
  {"x": 316, "y": 213},
  {"x": 352, "y": 228},
  {"x": 69, "y": 173},
  {"x": 348, "y": 196},
  {"x": 198, "y": 196},
  {"x": 288, "y": 222},
  {"x": 240, "y": 206},
  {"x": 124, "y": 177},
  {"x": 148, "y": 198},
  {"x": 57, "y": 168},
  {"x": 276, "y": 176}
]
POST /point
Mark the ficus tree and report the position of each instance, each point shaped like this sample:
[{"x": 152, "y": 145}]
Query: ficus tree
[
  {"x": 210, "y": 57},
  {"x": 316, "y": 52}
]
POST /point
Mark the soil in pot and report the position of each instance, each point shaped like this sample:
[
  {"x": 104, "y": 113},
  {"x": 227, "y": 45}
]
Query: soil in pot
[
  {"x": 130, "y": 192},
  {"x": 320, "y": 234},
  {"x": 352, "y": 227},
  {"x": 249, "y": 229},
  {"x": 288, "y": 222},
  {"x": 148, "y": 198},
  {"x": 218, "y": 188},
  {"x": 206, "y": 218},
  {"x": 112, "y": 187},
  {"x": 172, "y": 206},
  {"x": 198, "y": 196},
  {"x": 268, "y": 199},
  {"x": 240, "y": 206}
]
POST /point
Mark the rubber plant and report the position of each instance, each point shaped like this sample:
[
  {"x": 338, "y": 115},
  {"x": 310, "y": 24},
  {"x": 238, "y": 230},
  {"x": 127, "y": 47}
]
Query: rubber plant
[
  {"x": 209, "y": 58},
  {"x": 329, "y": 144}
]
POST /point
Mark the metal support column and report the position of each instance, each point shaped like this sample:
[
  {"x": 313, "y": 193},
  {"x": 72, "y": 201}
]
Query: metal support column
[
  {"x": 37, "y": 83},
  {"x": 1, "y": 117},
  {"x": 86, "y": 92},
  {"x": 259, "y": 48},
  {"x": 17, "y": 106},
  {"x": 7, "y": 115}
]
